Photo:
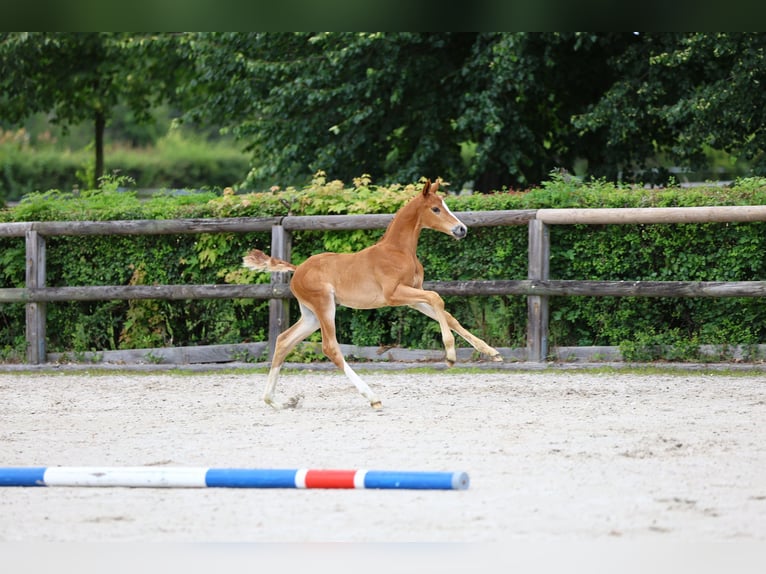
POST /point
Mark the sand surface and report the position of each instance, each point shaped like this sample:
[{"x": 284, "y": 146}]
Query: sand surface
[{"x": 551, "y": 455}]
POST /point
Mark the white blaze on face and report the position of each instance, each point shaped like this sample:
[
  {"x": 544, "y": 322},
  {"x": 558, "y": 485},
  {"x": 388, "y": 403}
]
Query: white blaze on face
[
  {"x": 449, "y": 211},
  {"x": 460, "y": 229}
]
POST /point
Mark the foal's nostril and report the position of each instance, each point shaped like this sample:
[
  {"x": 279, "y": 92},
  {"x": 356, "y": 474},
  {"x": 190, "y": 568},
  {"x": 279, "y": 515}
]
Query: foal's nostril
[{"x": 459, "y": 231}]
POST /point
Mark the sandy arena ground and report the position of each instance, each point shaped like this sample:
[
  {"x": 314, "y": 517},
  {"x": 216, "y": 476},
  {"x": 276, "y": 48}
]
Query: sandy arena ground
[{"x": 554, "y": 455}]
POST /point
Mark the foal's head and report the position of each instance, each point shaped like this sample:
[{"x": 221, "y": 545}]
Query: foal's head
[{"x": 434, "y": 213}]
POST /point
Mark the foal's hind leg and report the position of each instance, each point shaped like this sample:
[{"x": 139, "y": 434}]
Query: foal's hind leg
[{"x": 286, "y": 342}]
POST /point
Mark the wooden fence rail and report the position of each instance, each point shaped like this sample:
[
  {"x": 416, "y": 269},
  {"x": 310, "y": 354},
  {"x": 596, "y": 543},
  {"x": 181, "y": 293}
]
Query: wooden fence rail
[{"x": 538, "y": 286}]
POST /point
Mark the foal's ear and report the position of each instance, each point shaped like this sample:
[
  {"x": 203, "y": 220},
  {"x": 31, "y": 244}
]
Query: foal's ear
[
  {"x": 426, "y": 188},
  {"x": 435, "y": 187}
]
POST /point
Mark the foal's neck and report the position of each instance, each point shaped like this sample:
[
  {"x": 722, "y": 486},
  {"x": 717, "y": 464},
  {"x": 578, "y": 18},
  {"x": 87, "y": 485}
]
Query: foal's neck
[{"x": 404, "y": 230}]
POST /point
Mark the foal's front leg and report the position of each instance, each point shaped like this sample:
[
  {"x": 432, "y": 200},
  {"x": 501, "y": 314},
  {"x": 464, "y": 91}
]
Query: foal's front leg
[
  {"x": 431, "y": 304},
  {"x": 455, "y": 325}
]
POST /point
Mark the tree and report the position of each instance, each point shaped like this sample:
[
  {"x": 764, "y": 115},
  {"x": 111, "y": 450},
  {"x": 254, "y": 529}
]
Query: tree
[{"x": 82, "y": 77}]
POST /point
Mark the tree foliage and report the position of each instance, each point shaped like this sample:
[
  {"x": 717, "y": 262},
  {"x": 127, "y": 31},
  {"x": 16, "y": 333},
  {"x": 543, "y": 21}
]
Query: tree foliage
[{"x": 493, "y": 108}]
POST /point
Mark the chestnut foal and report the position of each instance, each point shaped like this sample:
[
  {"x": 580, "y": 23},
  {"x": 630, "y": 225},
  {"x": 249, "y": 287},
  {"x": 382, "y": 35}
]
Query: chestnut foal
[{"x": 382, "y": 275}]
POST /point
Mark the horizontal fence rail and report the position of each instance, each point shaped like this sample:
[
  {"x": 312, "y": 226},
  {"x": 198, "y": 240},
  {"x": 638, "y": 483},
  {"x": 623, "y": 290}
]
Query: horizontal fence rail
[
  {"x": 245, "y": 224},
  {"x": 538, "y": 286},
  {"x": 128, "y": 292},
  {"x": 139, "y": 226},
  {"x": 562, "y": 287},
  {"x": 633, "y": 215},
  {"x": 569, "y": 287}
]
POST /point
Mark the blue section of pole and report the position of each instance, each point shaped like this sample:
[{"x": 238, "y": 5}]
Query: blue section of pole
[
  {"x": 416, "y": 480},
  {"x": 250, "y": 478},
  {"x": 22, "y": 476}
]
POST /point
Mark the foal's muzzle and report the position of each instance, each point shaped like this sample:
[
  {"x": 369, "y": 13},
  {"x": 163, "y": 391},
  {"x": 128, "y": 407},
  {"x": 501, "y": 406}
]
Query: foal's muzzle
[{"x": 459, "y": 231}]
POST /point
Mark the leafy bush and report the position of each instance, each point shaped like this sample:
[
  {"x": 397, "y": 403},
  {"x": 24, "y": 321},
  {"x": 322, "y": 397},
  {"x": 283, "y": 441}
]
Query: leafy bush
[{"x": 688, "y": 252}]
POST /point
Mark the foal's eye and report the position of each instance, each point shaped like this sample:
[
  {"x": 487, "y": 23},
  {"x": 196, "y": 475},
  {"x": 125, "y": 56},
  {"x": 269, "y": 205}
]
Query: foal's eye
[{"x": 436, "y": 210}]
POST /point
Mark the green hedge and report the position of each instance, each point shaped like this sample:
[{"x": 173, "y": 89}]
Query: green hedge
[{"x": 692, "y": 252}]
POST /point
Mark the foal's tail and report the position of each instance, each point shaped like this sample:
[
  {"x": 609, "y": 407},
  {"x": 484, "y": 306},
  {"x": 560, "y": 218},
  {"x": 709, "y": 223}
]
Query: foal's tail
[{"x": 257, "y": 260}]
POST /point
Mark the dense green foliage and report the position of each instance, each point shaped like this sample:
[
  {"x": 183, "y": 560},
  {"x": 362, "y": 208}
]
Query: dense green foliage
[
  {"x": 492, "y": 109},
  {"x": 681, "y": 94},
  {"x": 630, "y": 252}
]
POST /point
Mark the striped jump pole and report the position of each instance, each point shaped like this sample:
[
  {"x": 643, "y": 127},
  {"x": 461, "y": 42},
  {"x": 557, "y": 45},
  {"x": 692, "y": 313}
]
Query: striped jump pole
[{"x": 199, "y": 477}]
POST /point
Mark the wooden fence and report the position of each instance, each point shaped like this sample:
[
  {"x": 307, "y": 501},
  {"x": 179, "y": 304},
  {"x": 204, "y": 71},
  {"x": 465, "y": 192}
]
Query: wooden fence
[{"x": 537, "y": 287}]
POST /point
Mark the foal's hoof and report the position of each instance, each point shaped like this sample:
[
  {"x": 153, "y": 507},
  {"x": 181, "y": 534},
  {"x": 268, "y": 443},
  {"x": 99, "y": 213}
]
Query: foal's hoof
[
  {"x": 450, "y": 363},
  {"x": 293, "y": 402},
  {"x": 273, "y": 405},
  {"x": 377, "y": 405},
  {"x": 497, "y": 358}
]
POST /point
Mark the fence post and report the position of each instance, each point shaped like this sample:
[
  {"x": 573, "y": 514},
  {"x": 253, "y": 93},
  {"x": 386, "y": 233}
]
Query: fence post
[
  {"x": 537, "y": 305},
  {"x": 279, "y": 309},
  {"x": 35, "y": 316}
]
